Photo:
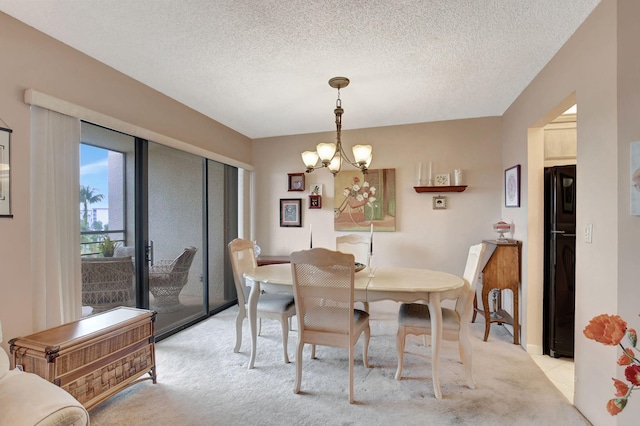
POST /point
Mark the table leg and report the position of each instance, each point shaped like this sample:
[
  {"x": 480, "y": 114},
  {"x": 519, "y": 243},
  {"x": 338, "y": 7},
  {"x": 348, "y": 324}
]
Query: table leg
[
  {"x": 253, "y": 313},
  {"x": 435, "y": 310}
]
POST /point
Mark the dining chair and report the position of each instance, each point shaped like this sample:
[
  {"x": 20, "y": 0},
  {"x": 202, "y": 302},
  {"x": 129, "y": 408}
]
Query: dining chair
[
  {"x": 358, "y": 246},
  {"x": 270, "y": 305},
  {"x": 414, "y": 318},
  {"x": 323, "y": 288}
]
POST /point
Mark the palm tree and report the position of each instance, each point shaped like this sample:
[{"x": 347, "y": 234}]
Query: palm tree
[{"x": 88, "y": 197}]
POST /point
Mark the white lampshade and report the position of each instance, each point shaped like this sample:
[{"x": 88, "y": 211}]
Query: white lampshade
[
  {"x": 335, "y": 164},
  {"x": 361, "y": 153},
  {"x": 326, "y": 151},
  {"x": 368, "y": 161},
  {"x": 310, "y": 158}
]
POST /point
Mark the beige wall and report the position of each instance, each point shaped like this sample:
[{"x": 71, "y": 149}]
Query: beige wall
[
  {"x": 598, "y": 67},
  {"x": 33, "y": 60},
  {"x": 424, "y": 237}
]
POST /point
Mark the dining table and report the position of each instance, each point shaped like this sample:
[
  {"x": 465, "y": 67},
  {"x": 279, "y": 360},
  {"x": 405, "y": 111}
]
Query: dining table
[{"x": 370, "y": 285}]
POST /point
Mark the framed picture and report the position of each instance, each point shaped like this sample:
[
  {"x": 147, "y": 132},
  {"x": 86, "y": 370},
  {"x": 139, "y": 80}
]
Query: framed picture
[
  {"x": 296, "y": 181},
  {"x": 290, "y": 214},
  {"x": 439, "y": 203},
  {"x": 5, "y": 172},
  {"x": 512, "y": 187},
  {"x": 315, "y": 201},
  {"x": 443, "y": 179}
]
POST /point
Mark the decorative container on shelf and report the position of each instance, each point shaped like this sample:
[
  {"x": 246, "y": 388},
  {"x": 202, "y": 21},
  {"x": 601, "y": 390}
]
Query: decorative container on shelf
[{"x": 502, "y": 227}]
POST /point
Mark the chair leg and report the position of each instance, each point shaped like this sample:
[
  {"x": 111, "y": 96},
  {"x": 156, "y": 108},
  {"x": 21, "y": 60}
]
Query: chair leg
[
  {"x": 313, "y": 351},
  {"x": 464, "y": 345},
  {"x": 239, "y": 320},
  {"x": 351, "y": 350},
  {"x": 259, "y": 326},
  {"x": 365, "y": 306},
  {"x": 296, "y": 389},
  {"x": 284, "y": 321},
  {"x": 400, "y": 340},
  {"x": 365, "y": 347}
]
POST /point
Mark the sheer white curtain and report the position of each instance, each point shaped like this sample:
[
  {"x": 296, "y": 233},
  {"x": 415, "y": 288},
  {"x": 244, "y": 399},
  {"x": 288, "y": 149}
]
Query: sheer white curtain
[{"x": 55, "y": 218}]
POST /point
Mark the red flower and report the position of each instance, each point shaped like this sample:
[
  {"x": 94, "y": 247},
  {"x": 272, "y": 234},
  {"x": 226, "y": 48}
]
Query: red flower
[
  {"x": 621, "y": 387},
  {"x": 614, "y": 406},
  {"x": 626, "y": 359},
  {"x": 606, "y": 329},
  {"x": 632, "y": 373}
]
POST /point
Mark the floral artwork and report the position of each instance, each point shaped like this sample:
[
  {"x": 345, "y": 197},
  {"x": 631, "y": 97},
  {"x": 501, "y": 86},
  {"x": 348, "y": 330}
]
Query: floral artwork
[
  {"x": 610, "y": 330},
  {"x": 361, "y": 200}
]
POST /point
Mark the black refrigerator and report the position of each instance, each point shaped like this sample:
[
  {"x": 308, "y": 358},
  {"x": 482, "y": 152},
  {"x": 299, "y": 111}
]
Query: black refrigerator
[{"x": 560, "y": 260}]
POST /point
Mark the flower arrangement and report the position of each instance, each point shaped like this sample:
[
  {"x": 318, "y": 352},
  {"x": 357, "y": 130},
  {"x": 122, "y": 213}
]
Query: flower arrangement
[
  {"x": 358, "y": 195},
  {"x": 610, "y": 330}
]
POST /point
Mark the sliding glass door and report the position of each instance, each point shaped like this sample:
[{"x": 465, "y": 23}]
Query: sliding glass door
[{"x": 155, "y": 224}]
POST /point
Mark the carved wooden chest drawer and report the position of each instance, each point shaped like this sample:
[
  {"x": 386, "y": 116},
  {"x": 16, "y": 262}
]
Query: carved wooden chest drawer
[{"x": 92, "y": 358}]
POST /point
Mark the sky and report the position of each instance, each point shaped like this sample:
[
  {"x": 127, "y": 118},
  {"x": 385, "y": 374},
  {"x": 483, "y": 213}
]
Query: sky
[{"x": 93, "y": 171}]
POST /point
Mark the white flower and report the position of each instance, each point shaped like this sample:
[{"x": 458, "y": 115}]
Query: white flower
[{"x": 356, "y": 187}]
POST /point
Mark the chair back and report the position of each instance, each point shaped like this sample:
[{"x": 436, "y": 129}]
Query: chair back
[
  {"x": 107, "y": 282},
  {"x": 357, "y": 245},
  {"x": 243, "y": 258},
  {"x": 464, "y": 305},
  {"x": 179, "y": 268},
  {"x": 323, "y": 289}
]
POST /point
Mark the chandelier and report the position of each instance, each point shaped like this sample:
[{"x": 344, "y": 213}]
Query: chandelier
[{"x": 331, "y": 155}]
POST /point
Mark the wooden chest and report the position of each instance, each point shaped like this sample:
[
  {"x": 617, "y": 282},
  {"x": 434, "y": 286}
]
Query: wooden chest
[{"x": 92, "y": 358}]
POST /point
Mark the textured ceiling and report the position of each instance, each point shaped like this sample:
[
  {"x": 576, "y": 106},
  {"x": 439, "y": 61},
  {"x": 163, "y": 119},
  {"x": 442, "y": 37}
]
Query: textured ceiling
[{"x": 262, "y": 67}]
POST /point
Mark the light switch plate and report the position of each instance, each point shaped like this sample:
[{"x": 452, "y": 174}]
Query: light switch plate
[{"x": 588, "y": 233}]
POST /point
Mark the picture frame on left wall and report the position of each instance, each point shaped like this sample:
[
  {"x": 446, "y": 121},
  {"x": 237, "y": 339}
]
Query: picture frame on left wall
[
  {"x": 291, "y": 212},
  {"x": 5, "y": 172}
]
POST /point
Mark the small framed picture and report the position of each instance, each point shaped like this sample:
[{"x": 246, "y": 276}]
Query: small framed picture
[
  {"x": 439, "y": 203},
  {"x": 5, "y": 172},
  {"x": 290, "y": 214},
  {"x": 315, "y": 201},
  {"x": 296, "y": 181},
  {"x": 512, "y": 186},
  {"x": 443, "y": 179}
]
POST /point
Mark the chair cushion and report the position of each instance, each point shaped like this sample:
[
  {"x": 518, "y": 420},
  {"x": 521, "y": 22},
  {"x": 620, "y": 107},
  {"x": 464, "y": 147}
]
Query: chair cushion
[
  {"x": 417, "y": 315},
  {"x": 275, "y": 303}
]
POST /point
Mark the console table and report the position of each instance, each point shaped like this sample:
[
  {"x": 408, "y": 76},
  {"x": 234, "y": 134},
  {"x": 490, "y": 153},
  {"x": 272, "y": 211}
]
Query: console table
[
  {"x": 92, "y": 358},
  {"x": 502, "y": 271}
]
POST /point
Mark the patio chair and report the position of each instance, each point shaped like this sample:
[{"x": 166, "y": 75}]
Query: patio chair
[{"x": 167, "y": 278}]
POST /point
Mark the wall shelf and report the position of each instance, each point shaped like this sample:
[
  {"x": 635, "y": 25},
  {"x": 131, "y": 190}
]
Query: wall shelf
[{"x": 456, "y": 188}]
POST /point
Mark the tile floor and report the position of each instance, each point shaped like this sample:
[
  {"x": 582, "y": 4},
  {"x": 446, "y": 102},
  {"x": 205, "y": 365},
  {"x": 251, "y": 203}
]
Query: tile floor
[{"x": 560, "y": 371}]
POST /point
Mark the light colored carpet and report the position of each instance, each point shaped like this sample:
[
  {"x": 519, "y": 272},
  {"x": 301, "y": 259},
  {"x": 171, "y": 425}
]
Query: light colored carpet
[{"x": 202, "y": 382}]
